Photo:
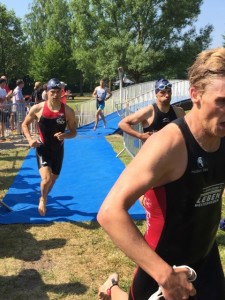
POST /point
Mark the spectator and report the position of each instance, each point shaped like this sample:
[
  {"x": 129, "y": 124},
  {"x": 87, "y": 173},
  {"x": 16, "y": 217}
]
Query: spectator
[
  {"x": 8, "y": 91},
  {"x": 44, "y": 92},
  {"x": 18, "y": 110},
  {"x": 64, "y": 92},
  {"x": 3, "y": 98},
  {"x": 37, "y": 93}
]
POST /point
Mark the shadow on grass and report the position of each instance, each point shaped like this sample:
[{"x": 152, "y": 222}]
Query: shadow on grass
[
  {"x": 28, "y": 284},
  {"x": 18, "y": 243},
  {"x": 87, "y": 225}
]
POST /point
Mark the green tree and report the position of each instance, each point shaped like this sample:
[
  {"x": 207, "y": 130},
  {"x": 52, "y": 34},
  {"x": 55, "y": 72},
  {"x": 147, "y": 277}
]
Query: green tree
[
  {"x": 48, "y": 29},
  {"x": 84, "y": 29},
  {"x": 48, "y": 61},
  {"x": 13, "y": 47},
  {"x": 144, "y": 37},
  {"x": 48, "y": 19}
]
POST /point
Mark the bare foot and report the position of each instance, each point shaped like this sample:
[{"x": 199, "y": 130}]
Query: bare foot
[
  {"x": 94, "y": 128},
  {"x": 42, "y": 206},
  {"x": 104, "y": 291}
]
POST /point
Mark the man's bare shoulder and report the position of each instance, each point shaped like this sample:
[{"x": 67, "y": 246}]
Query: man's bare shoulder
[
  {"x": 68, "y": 108},
  {"x": 161, "y": 152},
  {"x": 179, "y": 111},
  {"x": 37, "y": 107},
  {"x": 69, "y": 111},
  {"x": 145, "y": 110},
  {"x": 170, "y": 136}
]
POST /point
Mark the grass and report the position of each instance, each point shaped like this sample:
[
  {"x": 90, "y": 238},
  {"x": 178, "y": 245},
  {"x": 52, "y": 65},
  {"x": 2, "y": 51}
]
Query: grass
[
  {"x": 75, "y": 103},
  {"x": 59, "y": 260}
]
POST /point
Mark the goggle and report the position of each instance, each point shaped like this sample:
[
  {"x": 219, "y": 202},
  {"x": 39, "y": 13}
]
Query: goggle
[
  {"x": 54, "y": 86},
  {"x": 162, "y": 87}
]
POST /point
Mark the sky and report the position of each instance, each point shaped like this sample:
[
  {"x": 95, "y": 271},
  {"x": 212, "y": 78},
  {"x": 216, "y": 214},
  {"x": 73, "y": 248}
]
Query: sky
[{"x": 212, "y": 12}]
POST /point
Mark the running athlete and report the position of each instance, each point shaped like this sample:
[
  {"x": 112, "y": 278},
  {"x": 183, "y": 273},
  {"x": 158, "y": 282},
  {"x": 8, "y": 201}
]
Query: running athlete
[
  {"x": 53, "y": 117},
  {"x": 100, "y": 93},
  {"x": 184, "y": 165},
  {"x": 154, "y": 116}
]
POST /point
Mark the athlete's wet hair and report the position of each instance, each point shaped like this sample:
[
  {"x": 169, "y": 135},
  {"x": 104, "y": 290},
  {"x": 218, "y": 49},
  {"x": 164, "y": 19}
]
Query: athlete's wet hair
[{"x": 208, "y": 64}]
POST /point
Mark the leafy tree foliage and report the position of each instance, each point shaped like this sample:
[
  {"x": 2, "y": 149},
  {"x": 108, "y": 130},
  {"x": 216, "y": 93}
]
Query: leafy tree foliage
[
  {"x": 48, "y": 29},
  {"x": 48, "y": 61},
  {"x": 48, "y": 19},
  {"x": 13, "y": 46},
  {"x": 144, "y": 37},
  {"x": 84, "y": 40}
]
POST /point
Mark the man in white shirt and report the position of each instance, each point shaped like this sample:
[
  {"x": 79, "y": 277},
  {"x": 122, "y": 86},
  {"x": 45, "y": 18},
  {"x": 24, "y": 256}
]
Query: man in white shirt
[{"x": 18, "y": 112}]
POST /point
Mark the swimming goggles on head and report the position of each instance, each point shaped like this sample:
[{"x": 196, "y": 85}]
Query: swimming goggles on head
[{"x": 162, "y": 86}]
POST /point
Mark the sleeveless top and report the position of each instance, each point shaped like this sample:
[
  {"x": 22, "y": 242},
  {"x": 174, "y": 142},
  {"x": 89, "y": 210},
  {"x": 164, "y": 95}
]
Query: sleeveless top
[
  {"x": 161, "y": 119},
  {"x": 101, "y": 93},
  {"x": 183, "y": 216},
  {"x": 51, "y": 123}
]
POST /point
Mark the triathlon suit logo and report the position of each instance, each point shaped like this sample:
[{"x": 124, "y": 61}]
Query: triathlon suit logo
[
  {"x": 201, "y": 162},
  {"x": 201, "y": 165},
  {"x": 166, "y": 120},
  {"x": 61, "y": 119},
  {"x": 210, "y": 195}
]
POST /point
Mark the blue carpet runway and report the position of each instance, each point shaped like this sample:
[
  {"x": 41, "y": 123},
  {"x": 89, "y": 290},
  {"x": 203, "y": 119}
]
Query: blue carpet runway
[{"x": 89, "y": 170}]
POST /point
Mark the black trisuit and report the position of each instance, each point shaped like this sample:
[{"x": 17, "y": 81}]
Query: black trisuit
[
  {"x": 161, "y": 119},
  {"x": 50, "y": 153},
  {"x": 182, "y": 221}
]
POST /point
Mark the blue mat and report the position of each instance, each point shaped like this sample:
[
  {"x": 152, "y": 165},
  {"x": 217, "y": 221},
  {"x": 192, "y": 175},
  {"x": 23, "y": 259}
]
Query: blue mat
[{"x": 89, "y": 170}]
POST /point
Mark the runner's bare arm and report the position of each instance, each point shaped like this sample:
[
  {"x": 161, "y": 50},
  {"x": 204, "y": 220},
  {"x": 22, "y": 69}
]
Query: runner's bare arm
[
  {"x": 71, "y": 122},
  {"x": 179, "y": 111},
  {"x": 155, "y": 162},
  {"x": 136, "y": 118},
  {"x": 32, "y": 115}
]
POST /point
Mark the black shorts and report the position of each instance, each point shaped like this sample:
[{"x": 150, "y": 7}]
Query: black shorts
[
  {"x": 51, "y": 158},
  {"x": 210, "y": 284}
]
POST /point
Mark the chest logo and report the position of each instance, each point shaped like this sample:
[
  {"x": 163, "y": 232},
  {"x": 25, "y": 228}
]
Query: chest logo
[
  {"x": 166, "y": 120},
  {"x": 61, "y": 119},
  {"x": 210, "y": 195},
  {"x": 201, "y": 163}
]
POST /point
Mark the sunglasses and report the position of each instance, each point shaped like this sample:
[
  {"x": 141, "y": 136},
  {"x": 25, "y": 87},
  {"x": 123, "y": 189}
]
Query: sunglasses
[{"x": 162, "y": 87}]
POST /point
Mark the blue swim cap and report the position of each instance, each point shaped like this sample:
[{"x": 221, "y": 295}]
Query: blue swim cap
[
  {"x": 54, "y": 83},
  {"x": 162, "y": 84},
  {"x": 222, "y": 224}
]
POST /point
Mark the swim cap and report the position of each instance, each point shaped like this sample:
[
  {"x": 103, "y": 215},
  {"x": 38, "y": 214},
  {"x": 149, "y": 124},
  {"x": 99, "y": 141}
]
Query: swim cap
[
  {"x": 162, "y": 84},
  {"x": 54, "y": 83}
]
